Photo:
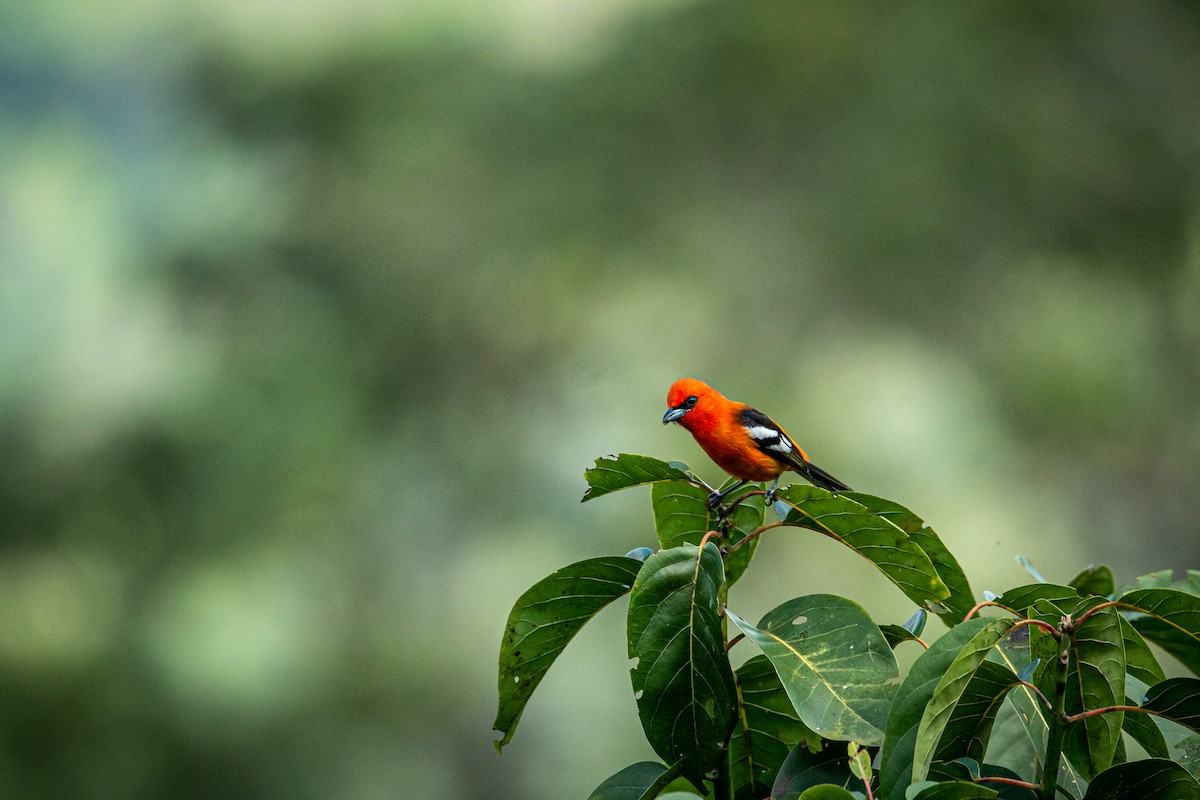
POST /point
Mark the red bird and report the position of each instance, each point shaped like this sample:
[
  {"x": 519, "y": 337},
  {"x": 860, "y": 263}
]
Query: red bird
[{"x": 742, "y": 440}]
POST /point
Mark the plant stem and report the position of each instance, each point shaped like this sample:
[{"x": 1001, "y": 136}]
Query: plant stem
[
  {"x": 1057, "y": 722},
  {"x": 722, "y": 786}
]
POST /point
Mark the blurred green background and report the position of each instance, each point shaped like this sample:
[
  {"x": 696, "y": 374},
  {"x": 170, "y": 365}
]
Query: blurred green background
[{"x": 313, "y": 313}]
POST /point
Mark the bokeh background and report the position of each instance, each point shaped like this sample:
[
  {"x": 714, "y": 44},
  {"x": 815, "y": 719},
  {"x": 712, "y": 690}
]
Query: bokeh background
[{"x": 313, "y": 313}]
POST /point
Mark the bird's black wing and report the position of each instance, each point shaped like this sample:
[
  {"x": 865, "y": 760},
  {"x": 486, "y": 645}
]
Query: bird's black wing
[{"x": 774, "y": 442}]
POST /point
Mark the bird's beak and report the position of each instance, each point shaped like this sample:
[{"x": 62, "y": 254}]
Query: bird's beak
[{"x": 674, "y": 414}]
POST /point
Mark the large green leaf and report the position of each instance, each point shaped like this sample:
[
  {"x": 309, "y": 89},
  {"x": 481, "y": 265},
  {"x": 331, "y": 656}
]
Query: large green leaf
[
  {"x": 682, "y": 516},
  {"x": 1143, "y": 730},
  {"x": 1140, "y": 661},
  {"x": 970, "y": 725},
  {"x": 961, "y": 599},
  {"x": 1151, "y": 779},
  {"x": 545, "y": 619},
  {"x": 1176, "y": 699},
  {"x": 1097, "y": 580},
  {"x": 904, "y": 715},
  {"x": 1021, "y": 599},
  {"x": 834, "y": 663},
  {"x": 950, "y": 690},
  {"x": 622, "y": 471},
  {"x": 767, "y": 730},
  {"x": 682, "y": 679},
  {"x": 873, "y": 537},
  {"x": 802, "y": 770},
  {"x": 954, "y": 790},
  {"x": 631, "y": 783},
  {"x": 1096, "y": 680},
  {"x": 966, "y": 769},
  {"x": 826, "y": 791},
  {"x": 1170, "y": 618}
]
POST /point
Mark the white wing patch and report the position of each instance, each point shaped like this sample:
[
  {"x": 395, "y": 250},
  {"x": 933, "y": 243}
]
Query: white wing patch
[{"x": 769, "y": 438}]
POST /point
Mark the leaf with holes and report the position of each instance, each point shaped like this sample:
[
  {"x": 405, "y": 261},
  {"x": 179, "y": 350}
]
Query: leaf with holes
[
  {"x": 682, "y": 516},
  {"x": 834, "y": 663},
  {"x": 545, "y": 619},
  {"x": 961, "y": 598},
  {"x": 612, "y": 473},
  {"x": 682, "y": 680},
  {"x": 873, "y": 537},
  {"x": 950, "y": 690},
  {"x": 767, "y": 730},
  {"x": 1170, "y": 618}
]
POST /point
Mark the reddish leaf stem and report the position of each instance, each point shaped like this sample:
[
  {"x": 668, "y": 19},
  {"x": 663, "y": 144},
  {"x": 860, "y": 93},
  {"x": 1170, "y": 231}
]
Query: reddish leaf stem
[
  {"x": 980, "y": 606},
  {"x": 1046, "y": 626},
  {"x": 1033, "y": 787},
  {"x": 754, "y": 535},
  {"x": 1098, "y": 711}
]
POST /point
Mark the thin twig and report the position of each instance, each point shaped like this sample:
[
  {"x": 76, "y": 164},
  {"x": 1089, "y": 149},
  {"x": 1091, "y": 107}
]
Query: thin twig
[{"x": 755, "y": 534}]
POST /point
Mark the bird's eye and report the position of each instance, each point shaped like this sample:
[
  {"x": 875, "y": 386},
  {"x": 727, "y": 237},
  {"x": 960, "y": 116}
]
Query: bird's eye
[{"x": 690, "y": 402}]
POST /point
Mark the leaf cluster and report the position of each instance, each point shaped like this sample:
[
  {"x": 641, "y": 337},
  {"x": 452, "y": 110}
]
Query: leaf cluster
[{"x": 1056, "y": 693}]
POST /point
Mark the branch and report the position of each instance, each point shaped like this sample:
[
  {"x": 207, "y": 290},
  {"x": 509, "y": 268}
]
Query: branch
[
  {"x": 1095, "y": 712},
  {"x": 1033, "y": 787},
  {"x": 754, "y": 535}
]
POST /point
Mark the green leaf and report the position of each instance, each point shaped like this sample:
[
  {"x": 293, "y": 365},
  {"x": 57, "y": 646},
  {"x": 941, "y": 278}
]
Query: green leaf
[
  {"x": 1140, "y": 661},
  {"x": 834, "y": 663},
  {"x": 826, "y": 791},
  {"x": 682, "y": 516},
  {"x": 622, "y": 471},
  {"x": 1151, "y": 779},
  {"x": 1096, "y": 680},
  {"x": 1176, "y": 699},
  {"x": 1171, "y": 619},
  {"x": 1097, "y": 580},
  {"x": 767, "y": 730},
  {"x": 802, "y": 770},
  {"x": 904, "y": 715},
  {"x": 544, "y": 620},
  {"x": 1189, "y": 752},
  {"x": 965, "y": 769},
  {"x": 961, "y": 598},
  {"x": 1143, "y": 730},
  {"x": 1022, "y": 599},
  {"x": 630, "y": 783},
  {"x": 956, "y": 790},
  {"x": 969, "y": 728},
  {"x": 896, "y": 634},
  {"x": 682, "y": 680},
  {"x": 950, "y": 690},
  {"x": 860, "y": 761},
  {"x": 873, "y": 537}
]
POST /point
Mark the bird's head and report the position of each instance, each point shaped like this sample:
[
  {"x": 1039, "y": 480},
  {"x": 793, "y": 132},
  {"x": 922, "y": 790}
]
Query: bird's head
[{"x": 686, "y": 395}]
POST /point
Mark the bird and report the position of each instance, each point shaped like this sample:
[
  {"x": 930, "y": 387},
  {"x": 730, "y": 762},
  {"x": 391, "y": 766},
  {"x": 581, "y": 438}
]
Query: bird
[{"x": 740, "y": 439}]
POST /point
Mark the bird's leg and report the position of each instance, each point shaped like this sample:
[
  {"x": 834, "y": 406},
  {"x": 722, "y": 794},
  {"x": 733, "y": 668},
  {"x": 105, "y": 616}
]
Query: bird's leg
[
  {"x": 769, "y": 498},
  {"x": 715, "y": 498}
]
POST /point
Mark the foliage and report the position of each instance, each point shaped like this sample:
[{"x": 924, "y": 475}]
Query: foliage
[{"x": 825, "y": 712}]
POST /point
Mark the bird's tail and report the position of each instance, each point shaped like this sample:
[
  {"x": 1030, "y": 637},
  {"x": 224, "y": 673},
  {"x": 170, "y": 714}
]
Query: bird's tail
[{"x": 819, "y": 477}]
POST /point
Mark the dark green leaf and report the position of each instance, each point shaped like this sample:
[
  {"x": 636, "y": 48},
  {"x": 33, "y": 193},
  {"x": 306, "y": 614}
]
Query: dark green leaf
[
  {"x": 1096, "y": 680},
  {"x": 955, "y": 790},
  {"x": 1151, "y": 779},
  {"x": 1171, "y": 619},
  {"x": 961, "y": 598},
  {"x": 872, "y": 536},
  {"x": 1188, "y": 752},
  {"x": 1140, "y": 661},
  {"x": 682, "y": 680},
  {"x": 766, "y": 732},
  {"x": 1021, "y": 599},
  {"x": 622, "y": 471},
  {"x": 1097, "y": 580},
  {"x": 896, "y": 634},
  {"x": 803, "y": 770},
  {"x": 834, "y": 663},
  {"x": 1143, "y": 730},
  {"x": 968, "y": 770},
  {"x": 682, "y": 516},
  {"x": 630, "y": 783},
  {"x": 1176, "y": 699},
  {"x": 826, "y": 792},
  {"x": 909, "y": 703},
  {"x": 545, "y": 619},
  {"x": 950, "y": 690},
  {"x": 970, "y": 725}
]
